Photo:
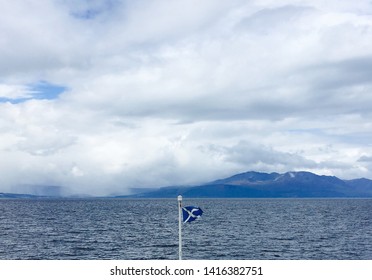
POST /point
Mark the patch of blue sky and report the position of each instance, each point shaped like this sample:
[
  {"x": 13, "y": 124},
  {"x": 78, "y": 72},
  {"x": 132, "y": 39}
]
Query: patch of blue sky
[
  {"x": 90, "y": 10},
  {"x": 13, "y": 101},
  {"x": 41, "y": 90},
  {"x": 45, "y": 90}
]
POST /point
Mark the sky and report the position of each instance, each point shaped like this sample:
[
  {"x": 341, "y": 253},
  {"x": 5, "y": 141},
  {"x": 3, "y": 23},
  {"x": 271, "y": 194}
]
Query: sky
[{"x": 101, "y": 96}]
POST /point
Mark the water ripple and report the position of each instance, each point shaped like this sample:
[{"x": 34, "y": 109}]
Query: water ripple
[{"x": 148, "y": 229}]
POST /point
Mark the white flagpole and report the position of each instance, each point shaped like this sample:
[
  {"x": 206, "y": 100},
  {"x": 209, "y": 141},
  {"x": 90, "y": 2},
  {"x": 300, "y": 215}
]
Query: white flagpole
[{"x": 180, "y": 227}]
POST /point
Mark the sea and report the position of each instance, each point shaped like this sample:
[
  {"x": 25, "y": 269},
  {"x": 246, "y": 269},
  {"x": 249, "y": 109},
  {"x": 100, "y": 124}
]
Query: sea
[{"x": 147, "y": 229}]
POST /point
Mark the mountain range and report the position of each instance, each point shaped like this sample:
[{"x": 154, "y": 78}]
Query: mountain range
[
  {"x": 246, "y": 185},
  {"x": 269, "y": 185}
]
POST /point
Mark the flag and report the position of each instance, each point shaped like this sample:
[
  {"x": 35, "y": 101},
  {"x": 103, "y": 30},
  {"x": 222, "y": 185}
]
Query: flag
[{"x": 191, "y": 213}]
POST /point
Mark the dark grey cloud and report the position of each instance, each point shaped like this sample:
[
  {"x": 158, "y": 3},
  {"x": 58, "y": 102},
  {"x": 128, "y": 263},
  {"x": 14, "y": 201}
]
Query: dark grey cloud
[
  {"x": 365, "y": 159},
  {"x": 250, "y": 154}
]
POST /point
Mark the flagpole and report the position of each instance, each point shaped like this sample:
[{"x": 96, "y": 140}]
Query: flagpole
[{"x": 180, "y": 227}]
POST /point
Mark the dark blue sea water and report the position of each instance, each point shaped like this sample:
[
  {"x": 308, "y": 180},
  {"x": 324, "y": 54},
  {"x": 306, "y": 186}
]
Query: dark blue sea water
[{"x": 148, "y": 229}]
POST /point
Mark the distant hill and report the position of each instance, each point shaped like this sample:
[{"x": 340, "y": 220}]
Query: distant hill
[
  {"x": 16, "y": 195},
  {"x": 270, "y": 185}
]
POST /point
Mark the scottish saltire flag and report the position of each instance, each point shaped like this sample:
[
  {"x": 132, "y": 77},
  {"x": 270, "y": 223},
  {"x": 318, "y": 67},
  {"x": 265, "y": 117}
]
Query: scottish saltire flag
[{"x": 191, "y": 213}]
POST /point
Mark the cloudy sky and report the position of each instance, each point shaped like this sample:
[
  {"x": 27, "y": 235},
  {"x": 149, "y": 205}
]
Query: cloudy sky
[{"x": 100, "y": 96}]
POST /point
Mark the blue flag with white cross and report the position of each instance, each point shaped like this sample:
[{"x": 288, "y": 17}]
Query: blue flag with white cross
[{"x": 191, "y": 213}]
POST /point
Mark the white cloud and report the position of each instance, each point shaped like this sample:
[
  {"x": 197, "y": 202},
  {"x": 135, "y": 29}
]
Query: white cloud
[
  {"x": 11, "y": 92},
  {"x": 179, "y": 92}
]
